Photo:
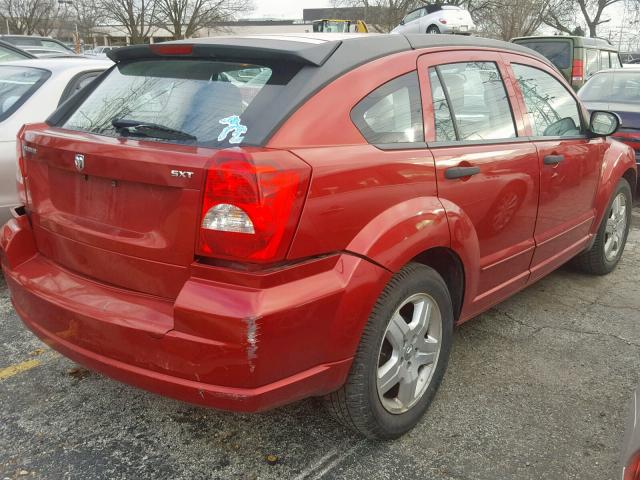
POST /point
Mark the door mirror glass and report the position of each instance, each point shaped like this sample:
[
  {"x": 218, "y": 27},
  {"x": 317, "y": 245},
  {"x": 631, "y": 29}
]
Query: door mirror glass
[
  {"x": 604, "y": 123},
  {"x": 402, "y": 22}
]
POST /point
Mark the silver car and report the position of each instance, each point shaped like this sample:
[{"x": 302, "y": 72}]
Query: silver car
[
  {"x": 30, "y": 90},
  {"x": 631, "y": 445},
  {"x": 437, "y": 19}
]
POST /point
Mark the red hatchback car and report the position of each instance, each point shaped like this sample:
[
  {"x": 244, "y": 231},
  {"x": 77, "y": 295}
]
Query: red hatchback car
[{"x": 244, "y": 222}]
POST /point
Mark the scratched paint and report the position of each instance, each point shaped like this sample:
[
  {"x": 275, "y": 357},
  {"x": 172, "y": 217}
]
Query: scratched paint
[{"x": 252, "y": 342}]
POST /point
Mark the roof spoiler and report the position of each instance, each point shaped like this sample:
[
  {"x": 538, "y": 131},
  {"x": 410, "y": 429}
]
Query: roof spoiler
[{"x": 255, "y": 49}]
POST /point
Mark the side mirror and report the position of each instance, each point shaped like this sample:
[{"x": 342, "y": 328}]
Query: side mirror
[
  {"x": 604, "y": 124},
  {"x": 402, "y": 22}
]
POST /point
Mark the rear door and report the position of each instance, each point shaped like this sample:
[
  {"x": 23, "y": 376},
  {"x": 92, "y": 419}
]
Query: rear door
[
  {"x": 569, "y": 163},
  {"x": 485, "y": 165}
]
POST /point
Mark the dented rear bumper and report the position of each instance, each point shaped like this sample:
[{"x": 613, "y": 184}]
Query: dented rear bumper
[{"x": 244, "y": 342}]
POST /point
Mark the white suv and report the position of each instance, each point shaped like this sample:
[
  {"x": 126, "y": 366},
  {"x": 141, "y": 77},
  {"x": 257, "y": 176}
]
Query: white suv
[{"x": 436, "y": 19}]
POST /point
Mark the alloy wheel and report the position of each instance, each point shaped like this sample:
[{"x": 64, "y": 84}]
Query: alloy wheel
[{"x": 616, "y": 227}]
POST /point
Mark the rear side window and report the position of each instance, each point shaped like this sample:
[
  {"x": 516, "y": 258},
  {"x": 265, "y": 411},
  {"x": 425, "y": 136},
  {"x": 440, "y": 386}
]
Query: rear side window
[
  {"x": 7, "y": 55},
  {"x": 604, "y": 59},
  {"x": 552, "y": 110},
  {"x": 392, "y": 113},
  {"x": 202, "y": 101},
  {"x": 593, "y": 62},
  {"x": 614, "y": 60},
  {"x": 558, "y": 52},
  {"x": 17, "y": 84},
  {"x": 473, "y": 104}
]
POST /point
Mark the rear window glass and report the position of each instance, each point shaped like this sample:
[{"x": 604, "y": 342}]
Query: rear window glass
[
  {"x": 17, "y": 84},
  {"x": 207, "y": 102},
  {"x": 559, "y": 53}
]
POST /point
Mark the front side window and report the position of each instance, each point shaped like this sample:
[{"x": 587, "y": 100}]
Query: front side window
[
  {"x": 201, "y": 101},
  {"x": 392, "y": 113},
  {"x": 552, "y": 110},
  {"x": 474, "y": 98},
  {"x": 17, "y": 84}
]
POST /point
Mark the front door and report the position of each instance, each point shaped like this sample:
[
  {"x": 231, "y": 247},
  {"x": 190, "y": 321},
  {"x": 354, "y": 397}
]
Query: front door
[
  {"x": 569, "y": 165},
  {"x": 487, "y": 169}
]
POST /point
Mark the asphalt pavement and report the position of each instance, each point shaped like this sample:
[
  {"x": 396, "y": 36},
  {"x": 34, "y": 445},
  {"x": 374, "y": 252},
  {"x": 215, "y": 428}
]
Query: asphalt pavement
[{"x": 536, "y": 389}]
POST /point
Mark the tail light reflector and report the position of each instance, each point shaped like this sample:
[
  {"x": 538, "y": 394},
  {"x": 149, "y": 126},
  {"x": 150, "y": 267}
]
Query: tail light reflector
[
  {"x": 251, "y": 204},
  {"x": 577, "y": 72}
]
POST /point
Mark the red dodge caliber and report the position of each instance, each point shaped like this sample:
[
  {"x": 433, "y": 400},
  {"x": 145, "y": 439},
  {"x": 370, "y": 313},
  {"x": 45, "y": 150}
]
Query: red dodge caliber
[{"x": 244, "y": 222}]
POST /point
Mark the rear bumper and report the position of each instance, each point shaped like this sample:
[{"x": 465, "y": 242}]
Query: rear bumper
[{"x": 244, "y": 346}]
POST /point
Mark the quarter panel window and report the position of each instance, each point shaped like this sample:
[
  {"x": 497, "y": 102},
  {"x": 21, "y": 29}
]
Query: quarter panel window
[
  {"x": 392, "y": 113},
  {"x": 552, "y": 110},
  {"x": 604, "y": 59},
  {"x": 614, "y": 60},
  {"x": 477, "y": 101}
]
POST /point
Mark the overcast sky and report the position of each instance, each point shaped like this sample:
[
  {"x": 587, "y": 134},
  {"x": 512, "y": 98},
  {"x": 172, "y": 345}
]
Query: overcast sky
[{"x": 289, "y": 9}]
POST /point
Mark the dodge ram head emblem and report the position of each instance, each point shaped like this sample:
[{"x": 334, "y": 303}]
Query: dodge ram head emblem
[{"x": 79, "y": 162}]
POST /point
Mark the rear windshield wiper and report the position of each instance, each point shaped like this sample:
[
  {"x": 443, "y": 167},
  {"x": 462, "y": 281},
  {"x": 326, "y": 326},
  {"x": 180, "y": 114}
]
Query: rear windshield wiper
[{"x": 146, "y": 129}]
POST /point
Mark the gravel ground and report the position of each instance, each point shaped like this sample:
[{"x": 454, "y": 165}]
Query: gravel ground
[{"x": 536, "y": 388}]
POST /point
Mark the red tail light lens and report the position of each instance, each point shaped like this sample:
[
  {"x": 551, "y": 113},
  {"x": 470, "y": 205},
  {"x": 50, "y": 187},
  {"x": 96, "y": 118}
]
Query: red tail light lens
[
  {"x": 251, "y": 205},
  {"x": 577, "y": 72},
  {"x": 175, "y": 49},
  {"x": 443, "y": 21},
  {"x": 632, "y": 471}
]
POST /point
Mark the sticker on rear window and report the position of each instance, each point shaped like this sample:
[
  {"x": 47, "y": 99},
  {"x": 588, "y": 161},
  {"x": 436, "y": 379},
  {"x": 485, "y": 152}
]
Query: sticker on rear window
[{"x": 233, "y": 127}]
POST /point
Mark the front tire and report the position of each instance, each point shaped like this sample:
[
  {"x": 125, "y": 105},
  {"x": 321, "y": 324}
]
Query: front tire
[
  {"x": 401, "y": 359},
  {"x": 433, "y": 30},
  {"x": 605, "y": 253}
]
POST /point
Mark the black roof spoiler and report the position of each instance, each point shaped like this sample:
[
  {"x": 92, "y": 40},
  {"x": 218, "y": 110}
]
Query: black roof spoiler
[{"x": 248, "y": 48}]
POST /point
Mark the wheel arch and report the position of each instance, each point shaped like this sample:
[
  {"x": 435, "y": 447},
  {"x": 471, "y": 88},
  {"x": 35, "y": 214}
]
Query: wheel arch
[{"x": 450, "y": 267}]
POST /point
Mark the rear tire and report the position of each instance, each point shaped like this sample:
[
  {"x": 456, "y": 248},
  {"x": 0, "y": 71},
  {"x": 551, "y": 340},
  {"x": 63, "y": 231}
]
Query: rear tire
[
  {"x": 605, "y": 253},
  {"x": 401, "y": 358},
  {"x": 433, "y": 30}
]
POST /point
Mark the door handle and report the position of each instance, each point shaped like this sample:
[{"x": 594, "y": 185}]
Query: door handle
[
  {"x": 553, "y": 159},
  {"x": 460, "y": 172}
]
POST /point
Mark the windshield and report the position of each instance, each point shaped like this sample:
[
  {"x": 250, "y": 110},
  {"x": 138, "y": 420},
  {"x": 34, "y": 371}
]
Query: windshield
[
  {"x": 17, "y": 84},
  {"x": 204, "y": 100},
  {"x": 558, "y": 52},
  {"x": 623, "y": 87}
]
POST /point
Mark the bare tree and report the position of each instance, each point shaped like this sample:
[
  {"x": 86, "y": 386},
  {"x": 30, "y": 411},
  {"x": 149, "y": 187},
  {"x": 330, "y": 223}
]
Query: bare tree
[
  {"x": 562, "y": 14},
  {"x": 184, "y": 18},
  {"x": 136, "y": 16},
  {"x": 87, "y": 15},
  {"x": 28, "y": 17},
  {"x": 506, "y": 19}
]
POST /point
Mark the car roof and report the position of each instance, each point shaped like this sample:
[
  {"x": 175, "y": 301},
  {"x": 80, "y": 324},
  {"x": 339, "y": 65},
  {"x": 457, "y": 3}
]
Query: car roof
[
  {"x": 56, "y": 65},
  {"x": 581, "y": 41},
  {"x": 316, "y": 48}
]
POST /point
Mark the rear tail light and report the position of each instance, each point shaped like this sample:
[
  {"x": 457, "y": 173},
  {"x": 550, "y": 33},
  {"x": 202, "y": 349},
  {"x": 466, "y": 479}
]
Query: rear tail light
[
  {"x": 443, "y": 21},
  {"x": 251, "y": 204},
  {"x": 632, "y": 471},
  {"x": 577, "y": 72}
]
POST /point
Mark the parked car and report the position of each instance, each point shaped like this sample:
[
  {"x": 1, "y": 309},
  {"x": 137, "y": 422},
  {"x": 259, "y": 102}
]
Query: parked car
[
  {"x": 32, "y": 41},
  {"x": 8, "y": 53},
  {"x": 29, "y": 91},
  {"x": 617, "y": 91},
  {"x": 436, "y": 18},
  {"x": 578, "y": 58},
  {"x": 100, "y": 51},
  {"x": 42, "y": 52},
  {"x": 320, "y": 237},
  {"x": 631, "y": 443}
]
